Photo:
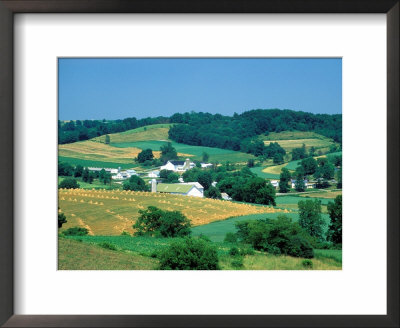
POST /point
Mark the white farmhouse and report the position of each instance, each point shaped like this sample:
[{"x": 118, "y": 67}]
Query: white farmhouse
[
  {"x": 121, "y": 176},
  {"x": 178, "y": 166}
]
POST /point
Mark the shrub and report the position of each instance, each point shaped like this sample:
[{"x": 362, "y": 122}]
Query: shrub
[
  {"x": 69, "y": 183},
  {"x": 307, "y": 264},
  {"x": 230, "y": 237},
  {"x": 213, "y": 193},
  {"x": 107, "y": 245},
  {"x": 204, "y": 237},
  {"x": 76, "y": 231},
  {"x": 156, "y": 222},
  {"x": 189, "y": 254},
  {"x": 234, "y": 251},
  {"x": 237, "y": 262},
  {"x": 280, "y": 236},
  {"x": 247, "y": 250},
  {"x": 135, "y": 183},
  {"x": 125, "y": 233},
  {"x": 61, "y": 218}
]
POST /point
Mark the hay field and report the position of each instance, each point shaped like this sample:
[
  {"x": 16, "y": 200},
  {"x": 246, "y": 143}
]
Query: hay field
[
  {"x": 149, "y": 132},
  {"x": 95, "y": 151},
  {"x": 289, "y": 135},
  {"x": 289, "y": 140},
  {"x": 110, "y": 212}
]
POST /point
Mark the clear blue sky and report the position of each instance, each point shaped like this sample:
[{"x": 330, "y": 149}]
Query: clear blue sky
[{"x": 120, "y": 88}]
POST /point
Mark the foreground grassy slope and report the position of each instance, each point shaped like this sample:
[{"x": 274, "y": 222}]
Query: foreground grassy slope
[
  {"x": 75, "y": 255},
  {"x": 106, "y": 212},
  {"x": 136, "y": 253}
]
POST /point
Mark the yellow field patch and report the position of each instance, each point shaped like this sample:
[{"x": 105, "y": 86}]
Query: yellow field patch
[
  {"x": 108, "y": 212},
  {"x": 274, "y": 169},
  {"x": 289, "y": 145},
  {"x": 96, "y": 151}
]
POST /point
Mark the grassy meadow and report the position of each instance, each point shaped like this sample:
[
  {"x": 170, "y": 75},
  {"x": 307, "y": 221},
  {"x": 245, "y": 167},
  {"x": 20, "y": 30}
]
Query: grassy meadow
[
  {"x": 76, "y": 255},
  {"x": 140, "y": 253}
]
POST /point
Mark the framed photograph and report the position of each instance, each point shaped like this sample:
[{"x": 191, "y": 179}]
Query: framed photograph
[{"x": 194, "y": 154}]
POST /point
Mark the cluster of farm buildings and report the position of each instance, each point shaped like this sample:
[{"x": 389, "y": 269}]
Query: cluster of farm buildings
[{"x": 194, "y": 189}]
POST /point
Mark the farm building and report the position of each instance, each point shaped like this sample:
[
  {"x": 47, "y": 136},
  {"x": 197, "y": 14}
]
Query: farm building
[
  {"x": 98, "y": 169},
  {"x": 131, "y": 172},
  {"x": 225, "y": 196},
  {"x": 196, "y": 184},
  {"x": 308, "y": 185},
  {"x": 178, "y": 166},
  {"x": 154, "y": 174},
  {"x": 205, "y": 165},
  {"x": 178, "y": 189},
  {"x": 121, "y": 176},
  {"x": 275, "y": 183}
]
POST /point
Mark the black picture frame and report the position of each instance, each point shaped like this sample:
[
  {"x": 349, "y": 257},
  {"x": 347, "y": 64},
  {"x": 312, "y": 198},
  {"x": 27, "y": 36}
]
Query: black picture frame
[{"x": 10, "y": 7}]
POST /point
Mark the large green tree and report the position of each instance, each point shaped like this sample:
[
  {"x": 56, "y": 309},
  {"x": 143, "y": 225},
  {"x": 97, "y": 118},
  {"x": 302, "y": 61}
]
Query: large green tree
[
  {"x": 310, "y": 218},
  {"x": 284, "y": 186},
  {"x": 156, "y": 222},
  {"x": 69, "y": 183},
  {"x": 335, "y": 227},
  {"x": 135, "y": 183},
  {"x": 168, "y": 152},
  {"x": 61, "y": 218},
  {"x": 145, "y": 155},
  {"x": 205, "y": 179}
]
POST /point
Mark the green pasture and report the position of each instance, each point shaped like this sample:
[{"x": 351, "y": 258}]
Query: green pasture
[
  {"x": 294, "y": 164},
  {"x": 89, "y": 163},
  {"x": 216, "y": 231},
  {"x": 294, "y": 199},
  {"x": 258, "y": 171}
]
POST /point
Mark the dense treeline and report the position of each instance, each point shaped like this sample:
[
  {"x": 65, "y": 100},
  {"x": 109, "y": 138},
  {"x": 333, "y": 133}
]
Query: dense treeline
[
  {"x": 235, "y": 132},
  {"x": 240, "y": 132},
  {"x": 73, "y": 131}
]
